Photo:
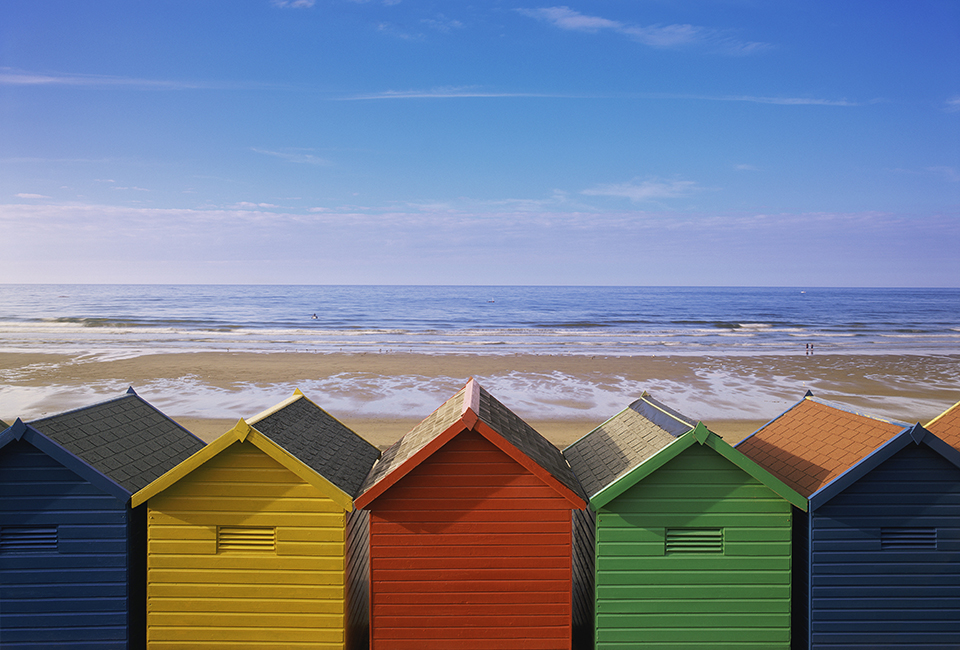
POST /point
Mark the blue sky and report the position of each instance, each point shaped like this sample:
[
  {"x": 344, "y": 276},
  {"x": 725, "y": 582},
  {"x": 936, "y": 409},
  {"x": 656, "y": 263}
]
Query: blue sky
[{"x": 650, "y": 142}]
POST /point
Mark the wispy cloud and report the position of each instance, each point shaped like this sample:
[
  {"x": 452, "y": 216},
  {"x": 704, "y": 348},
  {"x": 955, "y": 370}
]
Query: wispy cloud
[
  {"x": 295, "y": 156},
  {"x": 293, "y": 4},
  {"x": 442, "y": 24},
  {"x": 650, "y": 190},
  {"x": 474, "y": 92},
  {"x": 658, "y": 36},
  {"x": 949, "y": 173},
  {"x": 452, "y": 92},
  {"x": 952, "y": 105},
  {"x": 10, "y": 77},
  {"x": 27, "y": 195}
]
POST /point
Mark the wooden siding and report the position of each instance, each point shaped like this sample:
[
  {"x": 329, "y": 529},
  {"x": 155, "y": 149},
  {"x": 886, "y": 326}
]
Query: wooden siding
[
  {"x": 470, "y": 550},
  {"x": 800, "y": 623},
  {"x": 864, "y": 596},
  {"x": 584, "y": 576},
  {"x": 358, "y": 579},
  {"x": 77, "y": 593},
  {"x": 736, "y": 599},
  {"x": 199, "y": 597}
]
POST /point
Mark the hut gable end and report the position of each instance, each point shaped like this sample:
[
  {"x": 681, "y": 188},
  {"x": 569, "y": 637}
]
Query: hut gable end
[
  {"x": 815, "y": 442},
  {"x": 322, "y": 442},
  {"x": 125, "y": 439}
]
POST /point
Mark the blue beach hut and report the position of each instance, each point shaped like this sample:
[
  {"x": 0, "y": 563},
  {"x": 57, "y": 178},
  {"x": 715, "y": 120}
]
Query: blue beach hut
[
  {"x": 877, "y": 559},
  {"x": 72, "y": 551}
]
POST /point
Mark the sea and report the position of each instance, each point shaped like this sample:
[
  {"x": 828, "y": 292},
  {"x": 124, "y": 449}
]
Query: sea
[
  {"x": 105, "y": 322},
  {"x": 129, "y": 320}
]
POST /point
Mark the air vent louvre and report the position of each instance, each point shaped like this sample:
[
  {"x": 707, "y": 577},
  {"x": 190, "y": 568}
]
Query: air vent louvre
[
  {"x": 905, "y": 539},
  {"x": 28, "y": 539},
  {"x": 246, "y": 538},
  {"x": 694, "y": 540}
]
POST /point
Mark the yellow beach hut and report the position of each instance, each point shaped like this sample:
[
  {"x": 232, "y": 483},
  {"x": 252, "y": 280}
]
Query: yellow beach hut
[{"x": 246, "y": 539}]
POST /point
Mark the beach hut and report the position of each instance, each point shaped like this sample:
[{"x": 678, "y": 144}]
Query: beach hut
[
  {"x": 247, "y": 537},
  {"x": 946, "y": 426},
  {"x": 471, "y": 538},
  {"x": 877, "y": 558},
  {"x": 71, "y": 547},
  {"x": 692, "y": 537}
]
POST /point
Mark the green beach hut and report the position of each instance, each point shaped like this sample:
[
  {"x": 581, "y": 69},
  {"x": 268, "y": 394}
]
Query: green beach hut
[{"x": 693, "y": 539}]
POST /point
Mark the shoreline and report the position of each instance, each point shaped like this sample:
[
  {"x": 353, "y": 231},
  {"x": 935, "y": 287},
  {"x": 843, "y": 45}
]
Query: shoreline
[{"x": 381, "y": 396}]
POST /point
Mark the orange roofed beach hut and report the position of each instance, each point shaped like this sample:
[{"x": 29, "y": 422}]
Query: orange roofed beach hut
[
  {"x": 877, "y": 557},
  {"x": 247, "y": 538},
  {"x": 471, "y": 517}
]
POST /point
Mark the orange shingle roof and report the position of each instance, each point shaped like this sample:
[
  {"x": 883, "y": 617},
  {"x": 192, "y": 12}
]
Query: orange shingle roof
[
  {"x": 946, "y": 426},
  {"x": 813, "y": 443}
]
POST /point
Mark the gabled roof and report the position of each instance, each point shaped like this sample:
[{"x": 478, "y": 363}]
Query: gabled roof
[
  {"x": 318, "y": 439},
  {"x": 698, "y": 435},
  {"x": 24, "y": 432},
  {"x": 473, "y": 409},
  {"x": 915, "y": 435},
  {"x": 241, "y": 433},
  {"x": 814, "y": 442},
  {"x": 624, "y": 441},
  {"x": 126, "y": 439},
  {"x": 946, "y": 426}
]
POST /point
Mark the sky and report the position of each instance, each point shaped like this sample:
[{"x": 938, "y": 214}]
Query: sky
[{"x": 642, "y": 142}]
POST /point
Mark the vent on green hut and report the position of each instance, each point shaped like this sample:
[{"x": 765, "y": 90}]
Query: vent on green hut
[
  {"x": 908, "y": 539},
  {"x": 694, "y": 540},
  {"x": 246, "y": 538},
  {"x": 28, "y": 539}
]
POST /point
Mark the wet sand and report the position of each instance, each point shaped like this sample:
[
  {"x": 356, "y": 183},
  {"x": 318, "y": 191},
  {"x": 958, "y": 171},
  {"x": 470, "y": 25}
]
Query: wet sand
[{"x": 910, "y": 388}]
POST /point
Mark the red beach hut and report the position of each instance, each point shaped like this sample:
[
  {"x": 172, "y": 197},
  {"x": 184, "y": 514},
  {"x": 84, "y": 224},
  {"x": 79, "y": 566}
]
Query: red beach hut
[{"x": 471, "y": 542}]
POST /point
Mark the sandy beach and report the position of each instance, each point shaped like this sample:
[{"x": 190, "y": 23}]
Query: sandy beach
[{"x": 381, "y": 396}]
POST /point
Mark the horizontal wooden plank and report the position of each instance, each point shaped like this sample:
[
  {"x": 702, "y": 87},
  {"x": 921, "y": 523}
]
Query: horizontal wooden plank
[
  {"x": 560, "y": 634},
  {"x": 265, "y": 636},
  {"x": 499, "y": 625},
  {"x": 442, "y": 476},
  {"x": 475, "y": 597},
  {"x": 693, "y": 519},
  {"x": 415, "y": 516},
  {"x": 557, "y": 611},
  {"x": 175, "y": 576},
  {"x": 454, "y": 527},
  {"x": 183, "y": 591},
  {"x": 642, "y": 595},
  {"x": 548, "y": 541},
  {"x": 475, "y": 644},
  {"x": 467, "y": 564},
  {"x": 456, "y": 585},
  {"x": 766, "y": 637},
  {"x": 252, "y": 561},
  {"x": 255, "y": 603},
  {"x": 207, "y": 518},
  {"x": 696, "y": 605},
  {"x": 199, "y": 503},
  {"x": 288, "y": 620},
  {"x": 440, "y": 504}
]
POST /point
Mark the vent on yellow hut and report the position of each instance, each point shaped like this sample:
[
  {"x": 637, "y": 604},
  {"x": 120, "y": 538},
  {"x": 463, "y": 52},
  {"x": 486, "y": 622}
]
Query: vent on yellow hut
[{"x": 246, "y": 538}]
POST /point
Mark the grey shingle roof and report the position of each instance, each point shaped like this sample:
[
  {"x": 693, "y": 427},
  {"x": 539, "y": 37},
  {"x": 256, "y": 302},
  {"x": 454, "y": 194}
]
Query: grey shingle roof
[
  {"x": 525, "y": 438},
  {"x": 321, "y": 442},
  {"x": 495, "y": 415},
  {"x": 126, "y": 439},
  {"x": 624, "y": 441},
  {"x": 417, "y": 438}
]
